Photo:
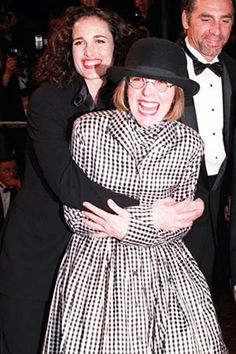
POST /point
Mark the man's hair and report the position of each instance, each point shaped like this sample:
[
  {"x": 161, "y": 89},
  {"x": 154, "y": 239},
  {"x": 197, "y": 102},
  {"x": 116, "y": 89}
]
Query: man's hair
[
  {"x": 189, "y": 5},
  {"x": 6, "y": 156}
]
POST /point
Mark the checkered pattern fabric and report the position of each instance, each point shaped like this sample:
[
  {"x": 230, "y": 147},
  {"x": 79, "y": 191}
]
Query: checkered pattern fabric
[{"x": 145, "y": 294}]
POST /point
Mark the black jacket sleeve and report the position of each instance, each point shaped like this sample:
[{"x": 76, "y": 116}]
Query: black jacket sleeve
[{"x": 49, "y": 110}]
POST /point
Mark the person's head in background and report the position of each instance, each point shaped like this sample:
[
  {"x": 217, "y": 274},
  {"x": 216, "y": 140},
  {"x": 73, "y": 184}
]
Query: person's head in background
[
  {"x": 208, "y": 24},
  {"x": 85, "y": 41},
  {"x": 8, "y": 19},
  {"x": 8, "y": 170}
]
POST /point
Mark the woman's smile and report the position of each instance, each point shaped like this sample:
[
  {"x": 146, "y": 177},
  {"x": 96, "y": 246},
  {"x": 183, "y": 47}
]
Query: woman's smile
[{"x": 148, "y": 107}]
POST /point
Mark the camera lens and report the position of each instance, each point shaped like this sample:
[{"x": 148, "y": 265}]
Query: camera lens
[{"x": 13, "y": 53}]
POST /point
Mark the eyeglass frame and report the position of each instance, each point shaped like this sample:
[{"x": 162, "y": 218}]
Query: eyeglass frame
[{"x": 145, "y": 81}]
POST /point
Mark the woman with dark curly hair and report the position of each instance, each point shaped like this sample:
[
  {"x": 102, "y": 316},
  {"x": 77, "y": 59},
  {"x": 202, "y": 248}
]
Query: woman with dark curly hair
[{"x": 72, "y": 77}]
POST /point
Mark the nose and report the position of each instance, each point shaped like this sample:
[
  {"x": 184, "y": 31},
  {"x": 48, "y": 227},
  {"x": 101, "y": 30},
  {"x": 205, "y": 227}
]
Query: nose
[
  {"x": 11, "y": 172},
  {"x": 89, "y": 50},
  {"x": 215, "y": 27},
  {"x": 148, "y": 88}
]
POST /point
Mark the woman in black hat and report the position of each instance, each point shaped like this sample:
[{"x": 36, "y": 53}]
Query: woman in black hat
[{"x": 125, "y": 285}]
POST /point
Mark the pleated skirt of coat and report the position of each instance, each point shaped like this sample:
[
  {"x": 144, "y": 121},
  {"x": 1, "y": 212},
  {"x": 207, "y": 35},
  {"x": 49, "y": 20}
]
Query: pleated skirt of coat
[{"x": 112, "y": 298}]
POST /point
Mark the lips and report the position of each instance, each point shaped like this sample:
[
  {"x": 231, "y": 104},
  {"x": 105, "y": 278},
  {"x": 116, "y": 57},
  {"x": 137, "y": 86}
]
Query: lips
[
  {"x": 214, "y": 42},
  {"x": 149, "y": 108},
  {"x": 91, "y": 64}
]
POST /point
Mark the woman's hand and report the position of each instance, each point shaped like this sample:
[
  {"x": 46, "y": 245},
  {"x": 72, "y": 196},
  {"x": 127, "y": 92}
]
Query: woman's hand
[
  {"x": 170, "y": 215},
  {"x": 107, "y": 224}
]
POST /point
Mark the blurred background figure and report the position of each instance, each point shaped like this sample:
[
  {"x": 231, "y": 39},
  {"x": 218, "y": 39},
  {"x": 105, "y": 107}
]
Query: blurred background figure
[
  {"x": 15, "y": 75},
  {"x": 9, "y": 183}
]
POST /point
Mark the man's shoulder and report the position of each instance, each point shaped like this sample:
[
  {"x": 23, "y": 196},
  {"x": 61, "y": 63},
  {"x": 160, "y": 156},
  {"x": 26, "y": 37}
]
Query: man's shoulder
[
  {"x": 227, "y": 58},
  {"x": 230, "y": 64},
  {"x": 229, "y": 61}
]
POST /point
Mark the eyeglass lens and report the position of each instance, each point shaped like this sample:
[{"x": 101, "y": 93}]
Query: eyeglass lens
[{"x": 140, "y": 82}]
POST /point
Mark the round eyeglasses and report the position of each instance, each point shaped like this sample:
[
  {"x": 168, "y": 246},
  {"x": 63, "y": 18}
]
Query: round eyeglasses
[{"x": 141, "y": 82}]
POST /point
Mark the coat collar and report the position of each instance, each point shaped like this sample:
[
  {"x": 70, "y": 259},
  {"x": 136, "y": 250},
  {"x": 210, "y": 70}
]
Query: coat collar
[{"x": 121, "y": 129}]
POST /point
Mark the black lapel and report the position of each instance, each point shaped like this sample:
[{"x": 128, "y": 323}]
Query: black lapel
[
  {"x": 227, "y": 86},
  {"x": 1, "y": 213},
  {"x": 227, "y": 99},
  {"x": 13, "y": 194},
  {"x": 189, "y": 117}
]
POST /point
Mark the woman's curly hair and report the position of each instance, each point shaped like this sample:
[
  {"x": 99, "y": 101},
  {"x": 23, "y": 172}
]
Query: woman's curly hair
[{"x": 56, "y": 63}]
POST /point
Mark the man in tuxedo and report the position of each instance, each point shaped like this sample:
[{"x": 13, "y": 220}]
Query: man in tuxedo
[
  {"x": 9, "y": 183},
  {"x": 208, "y": 24}
]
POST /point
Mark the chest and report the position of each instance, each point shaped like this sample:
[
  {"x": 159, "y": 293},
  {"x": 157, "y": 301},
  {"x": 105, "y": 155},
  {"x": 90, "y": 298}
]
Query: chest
[{"x": 144, "y": 172}]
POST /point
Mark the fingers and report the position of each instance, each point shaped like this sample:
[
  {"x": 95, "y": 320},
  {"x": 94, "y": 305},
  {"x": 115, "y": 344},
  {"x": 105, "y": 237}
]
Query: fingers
[
  {"x": 167, "y": 201},
  {"x": 113, "y": 206},
  {"x": 190, "y": 206},
  {"x": 183, "y": 205},
  {"x": 93, "y": 217},
  {"x": 99, "y": 212},
  {"x": 93, "y": 225},
  {"x": 102, "y": 213},
  {"x": 101, "y": 235}
]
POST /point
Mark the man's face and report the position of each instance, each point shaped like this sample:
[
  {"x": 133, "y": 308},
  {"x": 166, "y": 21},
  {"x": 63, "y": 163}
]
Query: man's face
[
  {"x": 209, "y": 26},
  {"x": 7, "y": 172}
]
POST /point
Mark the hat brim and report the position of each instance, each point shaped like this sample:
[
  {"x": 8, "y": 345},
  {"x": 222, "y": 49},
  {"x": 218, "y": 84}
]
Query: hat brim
[{"x": 189, "y": 86}]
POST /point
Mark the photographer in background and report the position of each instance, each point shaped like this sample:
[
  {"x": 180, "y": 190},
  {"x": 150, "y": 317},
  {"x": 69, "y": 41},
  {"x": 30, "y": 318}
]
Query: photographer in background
[{"x": 15, "y": 73}]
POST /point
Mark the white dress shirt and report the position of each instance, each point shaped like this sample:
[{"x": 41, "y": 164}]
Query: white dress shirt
[
  {"x": 5, "y": 196},
  {"x": 209, "y": 110}
]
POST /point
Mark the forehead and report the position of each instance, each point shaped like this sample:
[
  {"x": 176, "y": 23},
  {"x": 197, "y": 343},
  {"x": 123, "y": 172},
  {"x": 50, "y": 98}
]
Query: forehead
[
  {"x": 8, "y": 164},
  {"x": 214, "y": 7},
  {"x": 93, "y": 23}
]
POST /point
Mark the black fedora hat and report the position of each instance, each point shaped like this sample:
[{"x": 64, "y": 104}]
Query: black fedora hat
[{"x": 158, "y": 59}]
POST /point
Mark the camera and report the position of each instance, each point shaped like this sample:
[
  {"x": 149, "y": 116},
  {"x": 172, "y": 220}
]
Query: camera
[
  {"x": 5, "y": 18},
  {"x": 21, "y": 58}
]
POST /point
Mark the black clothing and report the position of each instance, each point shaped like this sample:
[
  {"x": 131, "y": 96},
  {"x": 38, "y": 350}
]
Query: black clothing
[
  {"x": 35, "y": 234},
  {"x": 204, "y": 237}
]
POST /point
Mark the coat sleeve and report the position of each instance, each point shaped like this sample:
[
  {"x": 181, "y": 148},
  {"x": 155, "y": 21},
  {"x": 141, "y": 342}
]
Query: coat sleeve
[
  {"x": 48, "y": 136},
  {"x": 141, "y": 229},
  {"x": 233, "y": 221}
]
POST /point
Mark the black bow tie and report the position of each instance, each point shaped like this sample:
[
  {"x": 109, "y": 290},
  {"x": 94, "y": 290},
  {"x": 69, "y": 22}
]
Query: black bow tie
[
  {"x": 8, "y": 189},
  {"x": 216, "y": 68}
]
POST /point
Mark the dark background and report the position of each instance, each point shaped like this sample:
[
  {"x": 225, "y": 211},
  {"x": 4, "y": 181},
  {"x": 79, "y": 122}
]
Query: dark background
[
  {"x": 164, "y": 19},
  {"x": 35, "y": 16}
]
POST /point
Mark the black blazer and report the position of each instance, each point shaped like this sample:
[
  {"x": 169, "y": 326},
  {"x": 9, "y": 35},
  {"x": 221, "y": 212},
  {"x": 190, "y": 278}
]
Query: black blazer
[
  {"x": 202, "y": 238},
  {"x": 35, "y": 234},
  {"x": 233, "y": 216}
]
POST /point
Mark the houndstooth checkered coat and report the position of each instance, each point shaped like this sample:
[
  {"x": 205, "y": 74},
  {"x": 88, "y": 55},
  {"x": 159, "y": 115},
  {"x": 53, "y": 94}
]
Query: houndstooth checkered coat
[{"x": 144, "y": 294}]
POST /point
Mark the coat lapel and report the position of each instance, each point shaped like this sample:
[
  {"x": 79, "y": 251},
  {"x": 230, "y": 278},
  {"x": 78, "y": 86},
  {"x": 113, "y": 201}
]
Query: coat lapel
[
  {"x": 1, "y": 213},
  {"x": 227, "y": 95},
  {"x": 122, "y": 132},
  {"x": 227, "y": 99},
  {"x": 189, "y": 117}
]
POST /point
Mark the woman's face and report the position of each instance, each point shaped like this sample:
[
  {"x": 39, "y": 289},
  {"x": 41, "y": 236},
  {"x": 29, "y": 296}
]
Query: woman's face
[
  {"x": 148, "y": 105},
  {"x": 92, "y": 47}
]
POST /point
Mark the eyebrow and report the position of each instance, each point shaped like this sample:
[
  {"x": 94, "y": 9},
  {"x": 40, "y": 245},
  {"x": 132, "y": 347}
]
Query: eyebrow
[
  {"x": 229, "y": 15},
  {"x": 96, "y": 36}
]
